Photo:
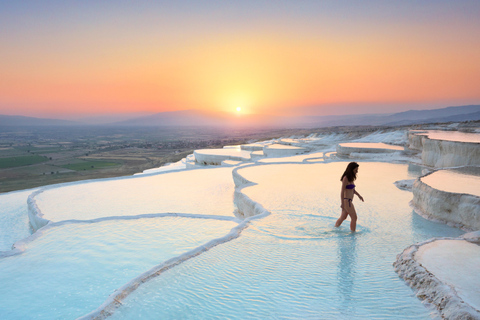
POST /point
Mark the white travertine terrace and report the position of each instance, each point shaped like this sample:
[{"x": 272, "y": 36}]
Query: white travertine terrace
[
  {"x": 405, "y": 184},
  {"x": 180, "y": 165},
  {"x": 295, "y": 142},
  {"x": 216, "y": 156},
  {"x": 236, "y": 147},
  {"x": 443, "y": 149},
  {"x": 310, "y": 157},
  {"x": 257, "y": 154},
  {"x": 441, "y": 154},
  {"x": 415, "y": 140},
  {"x": 450, "y": 196},
  {"x": 289, "y": 141},
  {"x": 455, "y": 136},
  {"x": 209, "y": 190},
  {"x": 231, "y": 163},
  {"x": 330, "y": 155},
  {"x": 280, "y": 150},
  {"x": 252, "y": 147},
  {"x": 444, "y": 272},
  {"x": 348, "y": 148},
  {"x": 454, "y": 263},
  {"x": 460, "y": 180}
]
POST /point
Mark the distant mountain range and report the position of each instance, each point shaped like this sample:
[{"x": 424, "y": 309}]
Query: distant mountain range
[
  {"x": 204, "y": 118},
  {"x": 449, "y": 114},
  {"x": 21, "y": 121},
  {"x": 211, "y": 119}
]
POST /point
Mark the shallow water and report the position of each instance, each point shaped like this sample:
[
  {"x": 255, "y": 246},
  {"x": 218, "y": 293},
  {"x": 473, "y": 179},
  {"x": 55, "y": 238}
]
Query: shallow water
[
  {"x": 14, "y": 223},
  {"x": 207, "y": 191},
  {"x": 311, "y": 157},
  {"x": 291, "y": 264},
  {"x": 372, "y": 145},
  {"x": 454, "y": 262},
  {"x": 294, "y": 264},
  {"x": 462, "y": 180},
  {"x": 71, "y": 269},
  {"x": 452, "y": 136}
]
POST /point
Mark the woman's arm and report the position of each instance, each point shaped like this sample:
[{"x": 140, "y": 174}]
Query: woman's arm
[
  {"x": 358, "y": 194},
  {"x": 342, "y": 190}
]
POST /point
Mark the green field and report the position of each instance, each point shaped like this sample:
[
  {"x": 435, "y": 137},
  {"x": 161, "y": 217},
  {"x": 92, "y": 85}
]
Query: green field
[
  {"x": 11, "y": 152},
  {"x": 52, "y": 149},
  {"x": 12, "y": 162},
  {"x": 89, "y": 165}
]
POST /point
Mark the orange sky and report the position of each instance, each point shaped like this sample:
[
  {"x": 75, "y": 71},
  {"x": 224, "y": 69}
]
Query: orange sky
[{"x": 373, "y": 58}]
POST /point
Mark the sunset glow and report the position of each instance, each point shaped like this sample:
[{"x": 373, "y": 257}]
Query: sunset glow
[{"x": 64, "y": 60}]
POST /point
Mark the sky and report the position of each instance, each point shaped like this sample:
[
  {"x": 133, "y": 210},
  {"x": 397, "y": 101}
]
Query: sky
[{"x": 69, "y": 59}]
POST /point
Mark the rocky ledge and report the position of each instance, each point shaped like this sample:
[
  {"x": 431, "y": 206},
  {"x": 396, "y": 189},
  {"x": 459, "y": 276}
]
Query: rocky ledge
[{"x": 444, "y": 272}]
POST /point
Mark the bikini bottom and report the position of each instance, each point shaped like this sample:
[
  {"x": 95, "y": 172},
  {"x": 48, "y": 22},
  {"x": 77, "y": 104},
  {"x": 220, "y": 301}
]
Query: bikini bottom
[{"x": 349, "y": 201}]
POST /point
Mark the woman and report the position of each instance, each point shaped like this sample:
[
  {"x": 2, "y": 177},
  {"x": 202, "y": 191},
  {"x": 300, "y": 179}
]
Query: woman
[{"x": 346, "y": 196}]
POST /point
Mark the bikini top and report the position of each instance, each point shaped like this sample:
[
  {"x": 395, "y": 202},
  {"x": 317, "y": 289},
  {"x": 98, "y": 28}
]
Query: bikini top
[{"x": 350, "y": 186}]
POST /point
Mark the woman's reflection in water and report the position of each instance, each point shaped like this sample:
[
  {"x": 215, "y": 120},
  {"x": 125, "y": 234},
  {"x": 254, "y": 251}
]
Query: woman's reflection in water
[{"x": 346, "y": 271}]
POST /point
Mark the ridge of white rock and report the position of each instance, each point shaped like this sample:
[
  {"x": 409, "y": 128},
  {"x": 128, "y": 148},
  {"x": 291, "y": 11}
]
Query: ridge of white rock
[
  {"x": 35, "y": 215},
  {"x": 451, "y": 134},
  {"x": 281, "y": 150},
  {"x": 450, "y": 206},
  {"x": 245, "y": 207},
  {"x": 449, "y": 152},
  {"x": 231, "y": 163},
  {"x": 238, "y": 179},
  {"x": 415, "y": 140},
  {"x": 441, "y": 154},
  {"x": 257, "y": 155},
  {"x": 405, "y": 184},
  {"x": 444, "y": 272},
  {"x": 252, "y": 147},
  {"x": 330, "y": 156},
  {"x": 216, "y": 156},
  {"x": 114, "y": 301},
  {"x": 345, "y": 149},
  {"x": 306, "y": 157}
]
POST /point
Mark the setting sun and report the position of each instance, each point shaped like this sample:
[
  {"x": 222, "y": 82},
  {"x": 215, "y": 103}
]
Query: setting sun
[{"x": 312, "y": 58}]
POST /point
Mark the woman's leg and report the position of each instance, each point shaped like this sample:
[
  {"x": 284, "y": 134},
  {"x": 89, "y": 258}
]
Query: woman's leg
[
  {"x": 343, "y": 216},
  {"x": 353, "y": 219}
]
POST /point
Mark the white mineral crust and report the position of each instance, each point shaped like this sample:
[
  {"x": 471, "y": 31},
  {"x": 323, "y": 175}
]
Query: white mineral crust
[
  {"x": 280, "y": 150},
  {"x": 348, "y": 148},
  {"x": 216, "y": 156},
  {"x": 459, "y": 209},
  {"x": 444, "y": 272},
  {"x": 447, "y": 148}
]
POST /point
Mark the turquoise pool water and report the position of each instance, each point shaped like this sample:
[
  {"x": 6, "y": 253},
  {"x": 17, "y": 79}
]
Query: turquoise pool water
[
  {"x": 14, "y": 223},
  {"x": 294, "y": 264},
  {"x": 291, "y": 264},
  {"x": 71, "y": 269}
]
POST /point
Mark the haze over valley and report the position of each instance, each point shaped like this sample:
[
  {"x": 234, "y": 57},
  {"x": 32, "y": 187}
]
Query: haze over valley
[{"x": 187, "y": 118}]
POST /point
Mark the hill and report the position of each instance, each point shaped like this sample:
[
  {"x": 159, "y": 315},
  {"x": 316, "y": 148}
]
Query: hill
[
  {"x": 21, "y": 121},
  {"x": 197, "y": 118}
]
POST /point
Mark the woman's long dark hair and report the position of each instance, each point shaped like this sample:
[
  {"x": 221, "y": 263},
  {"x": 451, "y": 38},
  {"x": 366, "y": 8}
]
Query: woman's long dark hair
[{"x": 351, "y": 176}]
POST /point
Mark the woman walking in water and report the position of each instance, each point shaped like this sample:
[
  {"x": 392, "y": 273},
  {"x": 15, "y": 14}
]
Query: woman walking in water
[{"x": 346, "y": 196}]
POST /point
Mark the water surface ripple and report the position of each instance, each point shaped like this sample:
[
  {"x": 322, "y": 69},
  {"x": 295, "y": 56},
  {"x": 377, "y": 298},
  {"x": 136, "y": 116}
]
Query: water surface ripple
[{"x": 293, "y": 264}]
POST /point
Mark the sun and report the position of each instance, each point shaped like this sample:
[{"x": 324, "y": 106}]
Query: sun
[{"x": 239, "y": 109}]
